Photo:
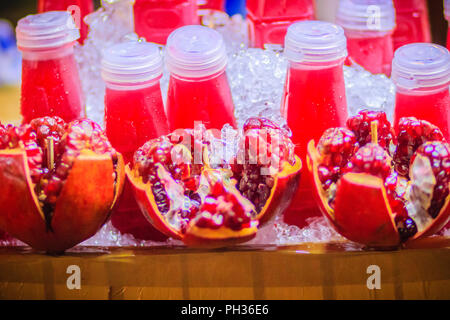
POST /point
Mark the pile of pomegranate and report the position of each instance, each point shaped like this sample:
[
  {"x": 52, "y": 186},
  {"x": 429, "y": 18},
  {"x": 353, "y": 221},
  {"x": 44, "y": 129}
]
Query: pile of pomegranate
[
  {"x": 382, "y": 188},
  {"x": 186, "y": 195},
  {"x": 67, "y": 177}
]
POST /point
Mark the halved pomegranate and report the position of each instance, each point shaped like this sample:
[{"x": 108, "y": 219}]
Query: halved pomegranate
[
  {"x": 187, "y": 196},
  {"x": 61, "y": 182},
  {"x": 369, "y": 201}
]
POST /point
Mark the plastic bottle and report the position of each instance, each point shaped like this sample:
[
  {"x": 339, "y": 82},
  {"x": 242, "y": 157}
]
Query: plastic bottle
[
  {"x": 314, "y": 96},
  {"x": 78, "y": 8},
  {"x": 368, "y": 26},
  {"x": 198, "y": 85},
  {"x": 156, "y": 19},
  {"x": 413, "y": 24},
  {"x": 421, "y": 73},
  {"x": 134, "y": 114},
  {"x": 447, "y": 16},
  {"x": 268, "y": 20},
  {"x": 50, "y": 81}
]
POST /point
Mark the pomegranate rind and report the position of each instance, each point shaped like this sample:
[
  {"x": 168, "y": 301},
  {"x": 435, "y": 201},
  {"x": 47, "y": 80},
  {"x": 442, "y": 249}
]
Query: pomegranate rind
[
  {"x": 285, "y": 186},
  {"x": 362, "y": 212},
  {"x": 312, "y": 159},
  {"x": 83, "y": 205},
  {"x": 217, "y": 238},
  {"x": 379, "y": 210},
  {"x": 147, "y": 204},
  {"x": 120, "y": 180},
  {"x": 442, "y": 219}
]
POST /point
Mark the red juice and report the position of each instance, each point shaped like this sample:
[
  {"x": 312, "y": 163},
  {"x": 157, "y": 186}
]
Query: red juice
[
  {"x": 314, "y": 98},
  {"x": 50, "y": 81},
  {"x": 51, "y": 88},
  {"x": 433, "y": 107},
  {"x": 421, "y": 74},
  {"x": 268, "y": 20},
  {"x": 198, "y": 85},
  {"x": 156, "y": 19},
  {"x": 368, "y": 26},
  {"x": 413, "y": 24},
  {"x": 206, "y": 100},
  {"x": 373, "y": 53},
  {"x": 132, "y": 117},
  {"x": 134, "y": 114},
  {"x": 78, "y": 8}
]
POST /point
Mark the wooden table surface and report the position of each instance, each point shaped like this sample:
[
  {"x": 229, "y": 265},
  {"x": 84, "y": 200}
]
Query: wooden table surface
[{"x": 304, "y": 271}]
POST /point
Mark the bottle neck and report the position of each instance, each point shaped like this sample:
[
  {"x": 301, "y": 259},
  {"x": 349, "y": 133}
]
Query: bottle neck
[
  {"x": 47, "y": 53},
  {"x": 306, "y": 65},
  {"x": 205, "y": 78},
  {"x": 361, "y": 34},
  {"x": 422, "y": 91},
  {"x": 132, "y": 86}
]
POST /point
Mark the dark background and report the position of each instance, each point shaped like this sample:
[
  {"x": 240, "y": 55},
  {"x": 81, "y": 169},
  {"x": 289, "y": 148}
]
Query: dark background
[{"x": 13, "y": 10}]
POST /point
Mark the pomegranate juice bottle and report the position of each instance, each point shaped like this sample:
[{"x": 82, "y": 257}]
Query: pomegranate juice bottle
[
  {"x": 268, "y": 20},
  {"x": 134, "y": 114},
  {"x": 79, "y": 9},
  {"x": 421, "y": 73},
  {"x": 156, "y": 19},
  {"x": 314, "y": 96},
  {"x": 198, "y": 85},
  {"x": 368, "y": 26},
  {"x": 50, "y": 81},
  {"x": 413, "y": 24}
]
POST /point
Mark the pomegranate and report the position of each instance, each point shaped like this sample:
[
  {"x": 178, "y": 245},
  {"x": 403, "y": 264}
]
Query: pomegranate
[
  {"x": 412, "y": 133},
  {"x": 68, "y": 177},
  {"x": 208, "y": 203},
  {"x": 371, "y": 200},
  {"x": 360, "y": 125}
]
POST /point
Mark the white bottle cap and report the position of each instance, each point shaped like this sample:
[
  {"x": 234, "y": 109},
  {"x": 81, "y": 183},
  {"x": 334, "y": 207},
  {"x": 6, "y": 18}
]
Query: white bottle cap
[
  {"x": 366, "y": 15},
  {"x": 46, "y": 30},
  {"x": 421, "y": 65},
  {"x": 195, "y": 51},
  {"x": 315, "y": 41},
  {"x": 132, "y": 62}
]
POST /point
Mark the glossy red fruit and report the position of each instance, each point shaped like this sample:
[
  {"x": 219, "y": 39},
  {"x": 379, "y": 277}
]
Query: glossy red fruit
[
  {"x": 68, "y": 196},
  {"x": 203, "y": 206},
  {"x": 412, "y": 133},
  {"x": 360, "y": 125},
  {"x": 372, "y": 204}
]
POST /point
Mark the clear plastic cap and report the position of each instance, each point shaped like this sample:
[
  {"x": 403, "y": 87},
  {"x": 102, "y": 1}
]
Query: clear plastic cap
[
  {"x": 132, "y": 62},
  {"x": 447, "y": 9},
  {"x": 46, "y": 30},
  {"x": 366, "y": 15},
  {"x": 421, "y": 65},
  {"x": 195, "y": 51},
  {"x": 315, "y": 41}
]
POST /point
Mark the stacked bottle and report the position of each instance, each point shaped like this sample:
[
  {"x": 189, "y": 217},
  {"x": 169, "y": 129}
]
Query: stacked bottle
[
  {"x": 314, "y": 96},
  {"x": 268, "y": 20},
  {"x": 368, "y": 26},
  {"x": 134, "y": 114},
  {"x": 156, "y": 19},
  {"x": 421, "y": 73},
  {"x": 50, "y": 80},
  {"x": 198, "y": 85},
  {"x": 413, "y": 24}
]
